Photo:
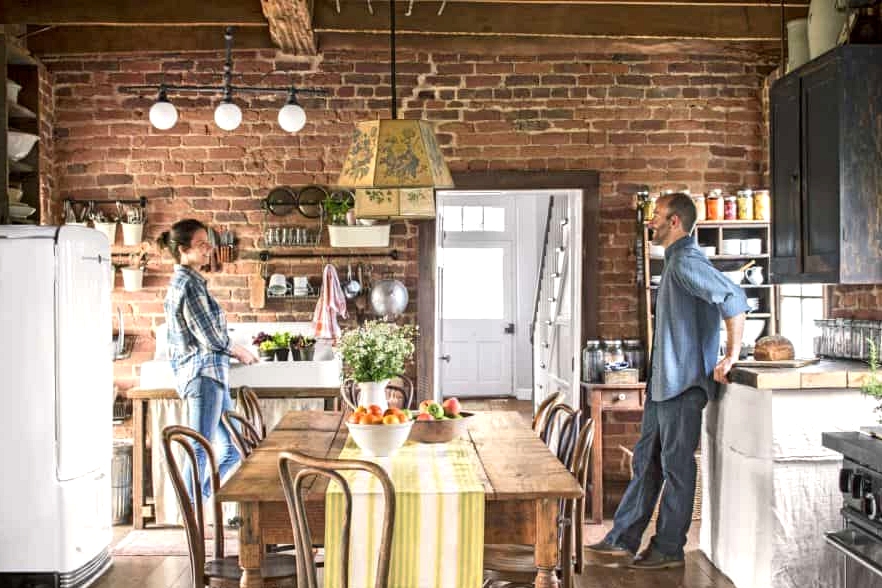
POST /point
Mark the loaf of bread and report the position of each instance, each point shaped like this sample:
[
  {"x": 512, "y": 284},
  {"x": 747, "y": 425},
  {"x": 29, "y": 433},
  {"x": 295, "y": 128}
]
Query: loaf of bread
[{"x": 773, "y": 348}]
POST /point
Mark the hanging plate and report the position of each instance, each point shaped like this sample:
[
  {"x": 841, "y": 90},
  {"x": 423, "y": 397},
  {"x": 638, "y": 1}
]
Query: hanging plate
[
  {"x": 281, "y": 201},
  {"x": 309, "y": 201}
]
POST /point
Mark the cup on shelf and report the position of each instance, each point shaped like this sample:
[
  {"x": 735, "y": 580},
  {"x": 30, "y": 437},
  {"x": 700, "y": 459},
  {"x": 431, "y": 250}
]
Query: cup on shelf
[
  {"x": 730, "y": 247},
  {"x": 301, "y": 286},
  {"x": 753, "y": 303},
  {"x": 278, "y": 285},
  {"x": 708, "y": 250}
]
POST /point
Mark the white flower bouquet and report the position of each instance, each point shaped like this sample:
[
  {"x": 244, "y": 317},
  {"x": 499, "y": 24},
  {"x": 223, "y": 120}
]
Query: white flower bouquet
[{"x": 376, "y": 350}]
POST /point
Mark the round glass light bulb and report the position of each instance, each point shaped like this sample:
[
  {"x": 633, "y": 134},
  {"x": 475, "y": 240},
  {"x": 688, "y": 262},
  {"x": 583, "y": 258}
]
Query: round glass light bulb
[
  {"x": 227, "y": 116},
  {"x": 292, "y": 117},
  {"x": 163, "y": 115}
]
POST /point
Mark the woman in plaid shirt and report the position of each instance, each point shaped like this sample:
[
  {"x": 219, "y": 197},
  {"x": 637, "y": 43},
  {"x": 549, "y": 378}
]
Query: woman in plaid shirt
[{"x": 198, "y": 343}]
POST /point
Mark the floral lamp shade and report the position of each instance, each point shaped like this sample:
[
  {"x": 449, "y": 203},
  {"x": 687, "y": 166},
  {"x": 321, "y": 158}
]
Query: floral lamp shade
[{"x": 395, "y": 166}]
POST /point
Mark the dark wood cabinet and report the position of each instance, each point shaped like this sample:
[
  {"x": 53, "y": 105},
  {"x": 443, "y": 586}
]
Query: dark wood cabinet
[{"x": 826, "y": 169}]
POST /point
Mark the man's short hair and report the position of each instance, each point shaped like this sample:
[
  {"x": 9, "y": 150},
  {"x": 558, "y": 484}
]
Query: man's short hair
[{"x": 682, "y": 205}]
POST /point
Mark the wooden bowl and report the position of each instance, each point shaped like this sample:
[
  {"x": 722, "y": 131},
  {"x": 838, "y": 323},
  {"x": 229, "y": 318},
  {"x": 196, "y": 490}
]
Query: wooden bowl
[{"x": 439, "y": 431}]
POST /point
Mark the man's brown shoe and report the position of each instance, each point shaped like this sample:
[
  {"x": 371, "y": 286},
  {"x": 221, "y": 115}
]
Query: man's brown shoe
[{"x": 652, "y": 559}]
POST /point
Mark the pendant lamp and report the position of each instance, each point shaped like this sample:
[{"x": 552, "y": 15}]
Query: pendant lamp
[{"x": 394, "y": 165}]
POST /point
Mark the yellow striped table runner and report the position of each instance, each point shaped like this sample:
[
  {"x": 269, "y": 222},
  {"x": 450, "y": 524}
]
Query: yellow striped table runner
[{"x": 438, "y": 540}]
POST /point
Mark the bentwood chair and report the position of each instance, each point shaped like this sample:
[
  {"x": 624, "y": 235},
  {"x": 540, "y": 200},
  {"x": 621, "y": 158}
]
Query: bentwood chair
[
  {"x": 560, "y": 431},
  {"x": 515, "y": 566},
  {"x": 245, "y": 437},
  {"x": 278, "y": 570},
  {"x": 295, "y": 469},
  {"x": 251, "y": 409},
  {"x": 544, "y": 406}
]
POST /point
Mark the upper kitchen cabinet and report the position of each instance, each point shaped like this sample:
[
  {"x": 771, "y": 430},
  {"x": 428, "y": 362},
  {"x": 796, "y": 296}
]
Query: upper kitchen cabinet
[
  {"x": 19, "y": 155},
  {"x": 826, "y": 169}
]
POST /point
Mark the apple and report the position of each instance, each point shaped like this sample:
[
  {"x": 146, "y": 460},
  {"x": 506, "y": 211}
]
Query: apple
[
  {"x": 436, "y": 410},
  {"x": 424, "y": 416},
  {"x": 425, "y": 404},
  {"x": 452, "y": 406}
]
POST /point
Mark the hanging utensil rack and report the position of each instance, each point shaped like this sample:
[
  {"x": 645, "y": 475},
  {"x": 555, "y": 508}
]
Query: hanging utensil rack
[
  {"x": 267, "y": 255},
  {"x": 141, "y": 201}
]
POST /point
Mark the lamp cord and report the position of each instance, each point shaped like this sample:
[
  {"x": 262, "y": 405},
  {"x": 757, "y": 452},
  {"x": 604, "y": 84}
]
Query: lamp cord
[
  {"x": 392, "y": 48},
  {"x": 228, "y": 64}
]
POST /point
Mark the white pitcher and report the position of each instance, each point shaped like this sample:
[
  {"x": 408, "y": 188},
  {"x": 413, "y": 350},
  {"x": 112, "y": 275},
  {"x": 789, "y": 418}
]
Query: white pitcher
[{"x": 754, "y": 275}]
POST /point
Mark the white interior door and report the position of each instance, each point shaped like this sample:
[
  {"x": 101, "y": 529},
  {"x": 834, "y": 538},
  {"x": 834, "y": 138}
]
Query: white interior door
[{"x": 476, "y": 297}]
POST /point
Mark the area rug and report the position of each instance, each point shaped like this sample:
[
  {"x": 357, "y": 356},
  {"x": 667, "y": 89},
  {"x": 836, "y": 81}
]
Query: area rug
[{"x": 168, "y": 542}]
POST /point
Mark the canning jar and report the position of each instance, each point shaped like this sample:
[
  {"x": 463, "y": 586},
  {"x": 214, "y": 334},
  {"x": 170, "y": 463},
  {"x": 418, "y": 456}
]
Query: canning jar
[
  {"x": 745, "y": 205},
  {"x": 761, "y": 205},
  {"x": 612, "y": 351},
  {"x": 730, "y": 208},
  {"x": 714, "y": 206},
  {"x": 700, "y": 209},
  {"x": 592, "y": 362},
  {"x": 634, "y": 355}
]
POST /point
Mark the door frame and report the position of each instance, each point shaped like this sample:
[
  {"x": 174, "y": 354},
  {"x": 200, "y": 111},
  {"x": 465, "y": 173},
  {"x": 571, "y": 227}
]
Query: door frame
[{"x": 588, "y": 182}]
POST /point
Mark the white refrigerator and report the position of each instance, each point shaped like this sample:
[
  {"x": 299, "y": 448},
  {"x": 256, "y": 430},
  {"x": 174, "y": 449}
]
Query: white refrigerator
[{"x": 56, "y": 406}]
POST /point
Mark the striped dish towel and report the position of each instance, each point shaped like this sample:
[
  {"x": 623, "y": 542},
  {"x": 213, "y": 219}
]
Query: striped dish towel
[
  {"x": 331, "y": 303},
  {"x": 438, "y": 541}
]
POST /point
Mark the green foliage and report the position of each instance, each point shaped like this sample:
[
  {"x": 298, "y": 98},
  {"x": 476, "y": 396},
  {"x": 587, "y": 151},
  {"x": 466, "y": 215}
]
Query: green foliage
[
  {"x": 282, "y": 339},
  {"x": 336, "y": 209},
  {"x": 376, "y": 350},
  {"x": 267, "y": 345},
  {"x": 872, "y": 386},
  {"x": 303, "y": 341}
]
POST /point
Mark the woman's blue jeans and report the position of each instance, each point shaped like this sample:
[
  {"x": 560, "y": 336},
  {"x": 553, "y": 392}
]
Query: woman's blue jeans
[{"x": 207, "y": 399}]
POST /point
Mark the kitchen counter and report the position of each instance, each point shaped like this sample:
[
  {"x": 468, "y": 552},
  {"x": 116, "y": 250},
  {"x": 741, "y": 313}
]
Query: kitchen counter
[{"x": 828, "y": 373}]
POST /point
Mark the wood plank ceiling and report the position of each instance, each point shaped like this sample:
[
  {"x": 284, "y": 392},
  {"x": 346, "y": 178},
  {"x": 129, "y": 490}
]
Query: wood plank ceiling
[{"x": 57, "y": 27}]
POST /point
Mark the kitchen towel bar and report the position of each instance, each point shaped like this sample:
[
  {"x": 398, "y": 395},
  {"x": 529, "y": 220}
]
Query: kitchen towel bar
[{"x": 267, "y": 255}]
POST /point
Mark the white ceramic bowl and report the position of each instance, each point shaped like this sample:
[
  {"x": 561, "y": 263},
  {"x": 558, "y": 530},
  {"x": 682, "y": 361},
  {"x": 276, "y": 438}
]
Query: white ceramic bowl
[
  {"x": 21, "y": 210},
  {"x": 751, "y": 246},
  {"x": 708, "y": 250},
  {"x": 753, "y": 328},
  {"x": 14, "y": 194},
  {"x": 367, "y": 222},
  {"x": 730, "y": 247},
  {"x": 735, "y": 276},
  {"x": 20, "y": 144},
  {"x": 12, "y": 90},
  {"x": 655, "y": 280},
  {"x": 656, "y": 251},
  {"x": 753, "y": 303},
  {"x": 380, "y": 440}
]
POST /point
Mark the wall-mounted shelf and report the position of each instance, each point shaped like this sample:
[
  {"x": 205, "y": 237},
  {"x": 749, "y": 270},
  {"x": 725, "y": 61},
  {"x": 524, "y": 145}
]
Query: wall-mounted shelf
[{"x": 267, "y": 255}]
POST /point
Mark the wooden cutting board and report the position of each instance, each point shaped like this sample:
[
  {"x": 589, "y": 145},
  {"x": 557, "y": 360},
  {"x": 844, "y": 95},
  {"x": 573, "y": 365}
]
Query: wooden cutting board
[{"x": 781, "y": 363}]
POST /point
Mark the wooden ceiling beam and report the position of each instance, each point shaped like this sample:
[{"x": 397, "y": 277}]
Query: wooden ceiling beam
[
  {"x": 749, "y": 23},
  {"x": 147, "y": 39},
  {"x": 290, "y": 25},
  {"x": 133, "y": 12}
]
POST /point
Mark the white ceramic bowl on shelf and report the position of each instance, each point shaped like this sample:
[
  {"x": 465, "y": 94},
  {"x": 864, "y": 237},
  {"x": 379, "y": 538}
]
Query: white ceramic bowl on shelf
[
  {"x": 753, "y": 328},
  {"x": 19, "y": 210},
  {"x": 730, "y": 247},
  {"x": 14, "y": 194},
  {"x": 708, "y": 250},
  {"x": 20, "y": 144},
  {"x": 735, "y": 276},
  {"x": 12, "y": 90}
]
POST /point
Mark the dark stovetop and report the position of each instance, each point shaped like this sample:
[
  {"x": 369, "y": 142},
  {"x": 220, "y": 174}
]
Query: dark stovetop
[{"x": 858, "y": 447}]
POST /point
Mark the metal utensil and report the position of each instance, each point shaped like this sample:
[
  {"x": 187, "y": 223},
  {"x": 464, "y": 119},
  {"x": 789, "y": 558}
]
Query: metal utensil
[
  {"x": 746, "y": 265},
  {"x": 352, "y": 288}
]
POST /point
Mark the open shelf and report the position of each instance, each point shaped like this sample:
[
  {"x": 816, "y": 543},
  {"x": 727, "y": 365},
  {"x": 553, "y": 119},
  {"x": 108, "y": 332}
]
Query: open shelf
[{"x": 17, "y": 111}]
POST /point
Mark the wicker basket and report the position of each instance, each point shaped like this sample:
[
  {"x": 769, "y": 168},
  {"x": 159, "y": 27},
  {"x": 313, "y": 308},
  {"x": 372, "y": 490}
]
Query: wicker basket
[{"x": 628, "y": 456}]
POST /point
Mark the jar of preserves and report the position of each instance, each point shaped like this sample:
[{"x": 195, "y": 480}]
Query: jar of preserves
[
  {"x": 730, "y": 208},
  {"x": 745, "y": 204},
  {"x": 714, "y": 205},
  {"x": 592, "y": 362},
  {"x": 612, "y": 351},
  {"x": 761, "y": 205},
  {"x": 635, "y": 355},
  {"x": 700, "y": 209}
]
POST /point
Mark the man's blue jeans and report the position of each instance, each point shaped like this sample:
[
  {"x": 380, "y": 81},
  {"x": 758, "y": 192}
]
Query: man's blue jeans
[
  {"x": 207, "y": 399},
  {"x": 669, "y": 436}
]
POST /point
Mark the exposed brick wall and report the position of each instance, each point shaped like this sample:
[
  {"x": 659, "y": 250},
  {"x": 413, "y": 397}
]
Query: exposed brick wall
[{"x": 688, "y": 119}]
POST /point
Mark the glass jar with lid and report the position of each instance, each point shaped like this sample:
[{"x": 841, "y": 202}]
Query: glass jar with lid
[
  {"x": 714, "y": 205},
  {"x": 592, "y": 362},
  {"x": 761, "y": 205},
  {"x": 700, "y": 209},
  {"x": 745, "y": 204},
  {"x": 730, "y": 208},
  {"x": 612, "y": 351},
  {"x": 635, "y": 356}
]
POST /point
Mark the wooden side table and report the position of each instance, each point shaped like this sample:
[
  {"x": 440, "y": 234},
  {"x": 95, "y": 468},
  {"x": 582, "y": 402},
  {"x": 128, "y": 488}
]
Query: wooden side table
[
  {"x": 602, "y": 398},
  {"x": 141, "y": 457}
]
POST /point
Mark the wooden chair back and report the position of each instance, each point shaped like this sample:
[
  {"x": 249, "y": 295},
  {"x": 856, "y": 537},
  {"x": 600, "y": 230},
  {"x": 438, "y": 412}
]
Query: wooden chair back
[
  {"x": 294, "y": 469},
  {"x": 582, "y": 462},
  {"x": 399, "y": 392},
  {"x": 251, "y": 409},
  {"x": 542, "y": 410},
  {"x": 186, "y": 439},
  {"x": 245, "y": 437},
  {"x": 560, "y": 431}
]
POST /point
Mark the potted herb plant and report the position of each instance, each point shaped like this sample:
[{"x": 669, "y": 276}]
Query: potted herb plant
[
  {"x": 266, "y": 352},
  {"x": 282, "y": 340},
  {"x": 337, "y": 210},
  {"x": 372, "y": 355},
  {"x": 303, "y": 347}
]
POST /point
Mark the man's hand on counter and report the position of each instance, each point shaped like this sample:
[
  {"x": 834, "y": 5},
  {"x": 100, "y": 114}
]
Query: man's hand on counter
[
  {"x": 721, "y": 370},
  {"x": 243, "y": 355}
]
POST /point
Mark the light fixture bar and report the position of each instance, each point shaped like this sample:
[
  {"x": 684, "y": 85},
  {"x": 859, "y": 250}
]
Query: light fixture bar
[{"x": 173, "y": 88}]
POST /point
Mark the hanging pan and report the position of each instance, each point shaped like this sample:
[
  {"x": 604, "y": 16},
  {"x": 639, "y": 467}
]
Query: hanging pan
[
  {"x": 309, "y": 201},
  {"x": 281, "y": 201}
]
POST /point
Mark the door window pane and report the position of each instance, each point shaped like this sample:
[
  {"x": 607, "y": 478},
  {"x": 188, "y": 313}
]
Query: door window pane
[
  {"x": 801, "y": 304},
  {"x": 473, "y": 283},
  {"x": 494, "y": 218},
  {"x": 452, "y": 218},
  {"x": 472, "y": 218}
]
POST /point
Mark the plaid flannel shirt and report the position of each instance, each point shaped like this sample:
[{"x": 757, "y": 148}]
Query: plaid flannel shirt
[{"x": 198, "y": 342}]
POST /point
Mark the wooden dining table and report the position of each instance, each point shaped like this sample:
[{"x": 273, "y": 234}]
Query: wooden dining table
[{"x": 523, "y": 484}]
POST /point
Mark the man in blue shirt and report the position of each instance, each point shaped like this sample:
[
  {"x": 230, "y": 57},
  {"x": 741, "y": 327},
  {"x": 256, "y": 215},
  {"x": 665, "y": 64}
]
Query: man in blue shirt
[{"x": 684, "y": 370}]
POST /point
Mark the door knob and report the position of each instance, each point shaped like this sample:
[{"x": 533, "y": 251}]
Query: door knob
[
  {"x": 445, "y": 358},
  {"x": 509, "y": 328}
]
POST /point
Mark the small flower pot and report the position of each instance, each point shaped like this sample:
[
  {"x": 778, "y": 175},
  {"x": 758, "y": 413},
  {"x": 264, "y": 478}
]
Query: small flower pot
[
  {"x": 133, "y": 278},
  {"x": 282, "y": 354},
  {"x": 295, "y": 352},
  {"x": 266, "y": 355},
  {"x": 132, "y": 233},
  {"x": 306, "y": 353}
]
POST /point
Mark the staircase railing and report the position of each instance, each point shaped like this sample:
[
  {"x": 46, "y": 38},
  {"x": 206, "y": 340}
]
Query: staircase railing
[{"x": 541, "y": 269}]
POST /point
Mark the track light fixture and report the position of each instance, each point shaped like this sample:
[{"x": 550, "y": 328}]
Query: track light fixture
[{"x": 228, "y": 116}]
